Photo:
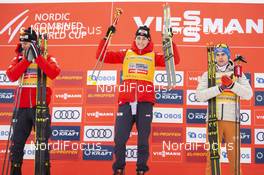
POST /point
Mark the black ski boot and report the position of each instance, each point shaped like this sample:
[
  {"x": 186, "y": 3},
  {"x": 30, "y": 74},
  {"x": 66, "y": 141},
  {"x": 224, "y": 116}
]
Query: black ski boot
[
  {"x": 15, "y": 169},
  {"x": 119, "y": 172},
  {"x": 47, "y": 168}
]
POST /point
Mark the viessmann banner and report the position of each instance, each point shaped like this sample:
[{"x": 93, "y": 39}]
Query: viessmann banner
[{"x": 83, "y": 114}]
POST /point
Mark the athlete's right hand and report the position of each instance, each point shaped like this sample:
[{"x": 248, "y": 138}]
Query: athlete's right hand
[{"x": 111, "y": 30}]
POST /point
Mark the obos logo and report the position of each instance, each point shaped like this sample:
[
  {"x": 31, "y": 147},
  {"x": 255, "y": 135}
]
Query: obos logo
[
  {"x": 104, "y": 153},
  {"x": 223, "y": 155},
  {"x": 131, "y": 153},
  {"x": 65, "y": 133},
  {"x": 259, "y": 80},
  {"x": 66, "y": 114},
  {"x": 192, "y": 100},
  {"x": 105, "y": 78},
  {"x": 7, "y": 95},
  {"x": 245, "y": 155},
  {"x": 259, "y": 155},
  {"x": 4, "y": 132},
  {"x": 195, "y": 135},
  {"x": 99, "y": 133},
  {"x": 29, "y": 152},
  {"x": 161, "y": 78},
  {"x": 170, "y": 97},
  {"x": 4, "y": 81},
  {"x": 245, "y": 134},
  {"x": 245, "y": 117},
  {"x": 167, "y": 115},
  {"x": 259, "y": 98},
  {"x": 196, "y": 116},
  {"x": 259, "y": 136}
]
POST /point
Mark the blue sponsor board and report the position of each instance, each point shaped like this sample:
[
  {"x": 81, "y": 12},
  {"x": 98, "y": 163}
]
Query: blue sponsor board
[
  {"x": 7, "y": 95},
  {"x": 65, "y": 133},
  {"x": 169, "y": 97},
  {"x": 245, "y": 135},
  {"x": 259, "y": 98},
  {"x": 259, "y": 155},
  {"x": 98, "y": 152},
  {"x": 196, "y": 116}
]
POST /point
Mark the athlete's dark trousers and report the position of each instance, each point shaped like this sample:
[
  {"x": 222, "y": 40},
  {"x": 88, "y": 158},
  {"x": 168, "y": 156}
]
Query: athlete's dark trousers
[{"x": 123, "y": 126}]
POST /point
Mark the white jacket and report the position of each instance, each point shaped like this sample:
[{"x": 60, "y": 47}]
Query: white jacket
[{"x": 226, "y": 100}]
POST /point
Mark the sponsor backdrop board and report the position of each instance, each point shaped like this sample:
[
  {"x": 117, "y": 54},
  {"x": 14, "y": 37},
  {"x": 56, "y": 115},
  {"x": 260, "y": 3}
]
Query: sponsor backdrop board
[{"x": 83, "y": 115}]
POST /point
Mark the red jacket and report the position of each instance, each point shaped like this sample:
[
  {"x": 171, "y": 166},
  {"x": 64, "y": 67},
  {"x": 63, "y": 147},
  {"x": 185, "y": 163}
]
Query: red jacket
[
  {"x": 118, "y": 58},
  {"x": 19, "y": 65}
]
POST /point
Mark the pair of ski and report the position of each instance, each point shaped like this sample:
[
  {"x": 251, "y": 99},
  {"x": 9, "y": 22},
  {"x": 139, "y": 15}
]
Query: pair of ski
[
  {"x": 42, "y": 164},
  {"x": 213, "y": 135}
]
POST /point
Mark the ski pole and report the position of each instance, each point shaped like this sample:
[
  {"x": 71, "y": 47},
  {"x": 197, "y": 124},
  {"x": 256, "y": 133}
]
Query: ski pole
[
  {"x": 12, "y": 125},
  {"x": 101, "y": 57}
]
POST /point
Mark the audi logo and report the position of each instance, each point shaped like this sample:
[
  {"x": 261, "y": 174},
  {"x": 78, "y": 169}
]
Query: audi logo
[
  {"x": 162, "y": 78},
  {"x": 192, "y": 97},
  {"x": 3, "y": 78},
  {"x": 260, "y": 80},
  {"x": 67, "y": 114},
  {"x": 99, "y": 133},
  {"x": 244, "y": 117},
  {"x": 131, "y": 153},
  {"x": 259, "y": 98},
  {"x": 260, "y": 136},
  {"x": 260, "y": 155}
]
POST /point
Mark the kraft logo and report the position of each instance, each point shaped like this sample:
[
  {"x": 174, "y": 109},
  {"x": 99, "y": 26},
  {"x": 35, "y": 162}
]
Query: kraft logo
[
  {"x": 66, "y": 114},
  {"x": 245, "y": 117},
  {"x": 167, "y": 115},
  {"x": 196, "y": 116},
  {"x": 170, "y": 97},
  {"x": 192, "y": 100},
  {"x": 259, "y": 136},
  {"x": 245, "y": 135},
  {"x": 105, "y": 78},
  {"x": 99, "y": 133},
  {"x": 104, "y": 153},
  {"x": 259, "y": 155},
  {"x": 160, "y": 78},
  {"x": 7, "y": 95},
  {"x": 65, "y": 133},
  {"x": 8, "y": 27},
  {"x": 4, "y": 132},
  {"x": 131, "y": 153},
  {"x": 259, "y": 98},
  {"x": 259, "y": 80},
  {"x": 195, "y": 135}
]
